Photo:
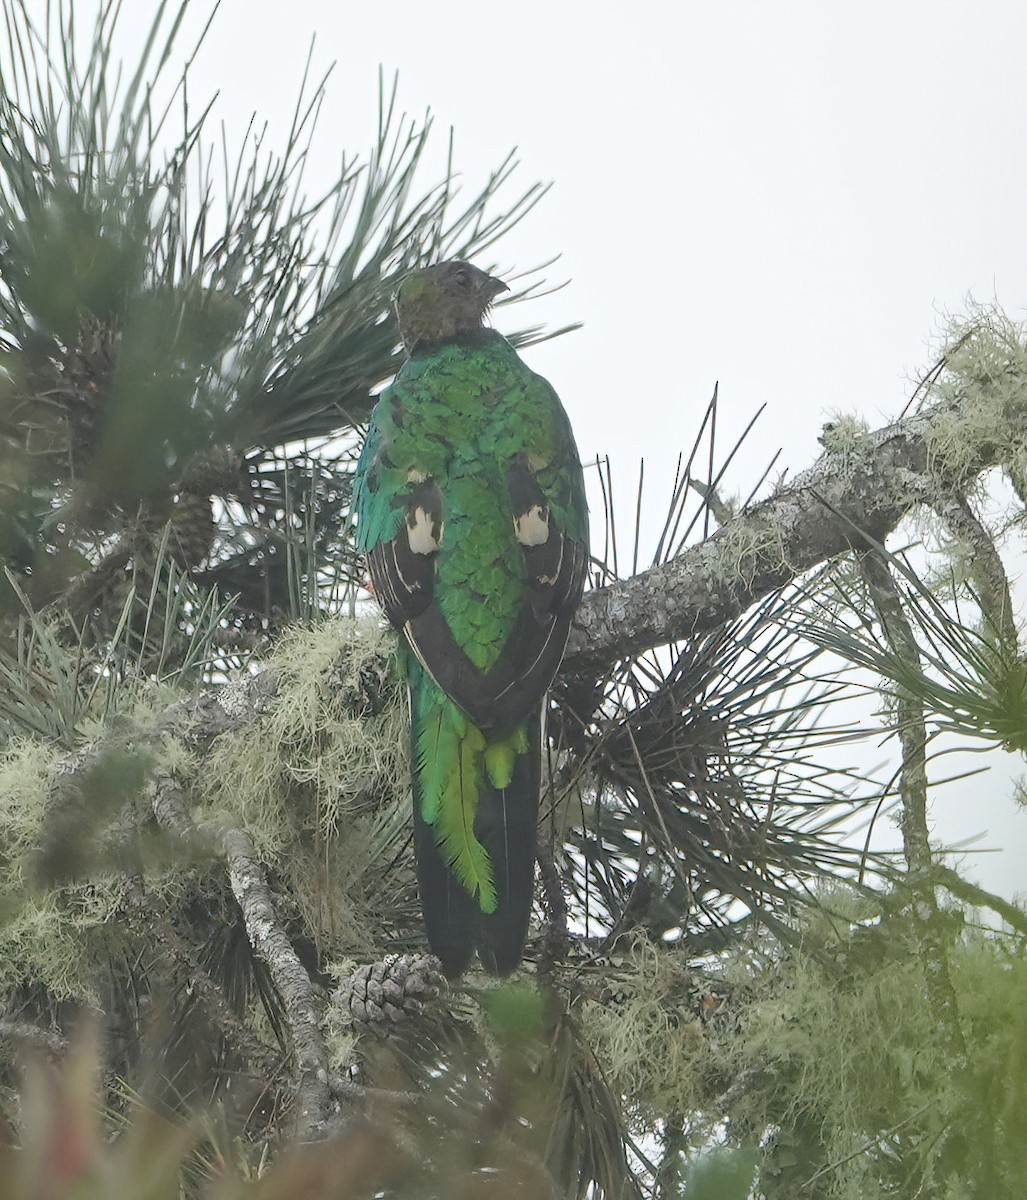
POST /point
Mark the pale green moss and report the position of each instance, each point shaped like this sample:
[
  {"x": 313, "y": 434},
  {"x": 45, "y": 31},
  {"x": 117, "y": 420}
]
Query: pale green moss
[
  {"x": 850, "y": 1036},
  {"x": 320, "y": 735},
  {"x": 748, "y": 546},
  {"x": 341, "y": 1046},
  {"x": 648, "y": 1037},
  {"x": 44, "y": 933},
  {"x": 320, "y": 777},
  {"x": 844, "y": 1035},
  {"x": 43, "y": 942},
  {"x": 340, "y": 1036},
  {"x": 24, "y": 790},
  {"x": 982, "y": 394},
  {"x": 847, "y": 442}
]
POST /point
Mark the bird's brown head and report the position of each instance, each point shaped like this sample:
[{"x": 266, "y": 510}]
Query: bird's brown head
[{"x": 444, "y": 302}]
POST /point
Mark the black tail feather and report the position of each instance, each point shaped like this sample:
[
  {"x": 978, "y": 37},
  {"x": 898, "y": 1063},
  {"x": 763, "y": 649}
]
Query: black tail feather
[{"x": 506, "y": 826}]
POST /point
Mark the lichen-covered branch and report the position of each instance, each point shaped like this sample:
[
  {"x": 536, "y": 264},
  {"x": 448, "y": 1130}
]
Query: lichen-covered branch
[
  {"x": 268, "y": 938},
  {"x": 987, "y": 570},
  {"x": 250, "y": 888},
  {"x": 868, "y": 485},
  {"x": 912, "y": 728},
  {"x": 970, "y": 893},
  {"x": 865, "y": 485}
]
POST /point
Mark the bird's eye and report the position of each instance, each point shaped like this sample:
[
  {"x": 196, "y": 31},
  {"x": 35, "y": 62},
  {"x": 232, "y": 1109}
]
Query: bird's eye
[{"x": 462, "y": 277}]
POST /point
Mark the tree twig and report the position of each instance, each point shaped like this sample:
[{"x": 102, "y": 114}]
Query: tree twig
[
  {"x": 51, "y": 1043},
  {"x": 913, "y": 785},
  {"x": 269, "y": 939},
  {"x": 554, "y": 941},
  {"x": 989, "y": 574},
  {"x": 870, "y": 1144},
  {"x": 912, "y": 728},
  {"x": 969, "y": 892}
]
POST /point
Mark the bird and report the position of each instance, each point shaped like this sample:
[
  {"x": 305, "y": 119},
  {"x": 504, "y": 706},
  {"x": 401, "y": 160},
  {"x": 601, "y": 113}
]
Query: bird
[{"x": 470, "y": 511}]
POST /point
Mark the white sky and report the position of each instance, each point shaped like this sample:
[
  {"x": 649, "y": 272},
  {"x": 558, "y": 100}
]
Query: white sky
[{"x": 783, "y": 196}]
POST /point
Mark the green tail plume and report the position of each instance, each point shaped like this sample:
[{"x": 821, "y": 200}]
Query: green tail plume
[
  {"x": 475, "y": 808},
  {"x": 450, "y": 761}
]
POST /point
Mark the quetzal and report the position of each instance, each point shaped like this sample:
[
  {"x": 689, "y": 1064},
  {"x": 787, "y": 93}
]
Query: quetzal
[{"x": 470, "y": 508}]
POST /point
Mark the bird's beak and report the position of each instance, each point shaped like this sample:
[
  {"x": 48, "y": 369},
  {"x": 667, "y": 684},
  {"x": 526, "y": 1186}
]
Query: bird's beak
[{"x": 496, "y": 286}]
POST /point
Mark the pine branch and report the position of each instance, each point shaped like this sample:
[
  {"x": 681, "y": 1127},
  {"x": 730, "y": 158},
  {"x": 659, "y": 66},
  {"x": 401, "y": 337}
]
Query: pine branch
[
  {"x": 797, "y": 529},
  {"x": 801, "y": 526}
]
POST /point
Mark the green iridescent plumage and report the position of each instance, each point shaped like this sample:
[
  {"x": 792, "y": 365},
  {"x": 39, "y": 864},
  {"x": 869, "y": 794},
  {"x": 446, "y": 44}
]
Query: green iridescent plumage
[{"x": 471, "y": 509}]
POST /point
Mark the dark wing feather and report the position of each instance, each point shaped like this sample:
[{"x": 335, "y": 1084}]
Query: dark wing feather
[
  {"x": 555, "y": 571},
  {"x": 403, "y": 568},
  {"x": 399, "y": 519},
  {"x": 497, "y": 701}
]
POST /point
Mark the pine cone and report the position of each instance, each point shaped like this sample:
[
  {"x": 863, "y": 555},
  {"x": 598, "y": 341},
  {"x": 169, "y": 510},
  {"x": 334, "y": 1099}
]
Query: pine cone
[
  {"x": 213, "y": 472},
  {"x": 87, "y": 369},
  {"x": 193, "y": 529},
  {"x": 389, "y": 991}
]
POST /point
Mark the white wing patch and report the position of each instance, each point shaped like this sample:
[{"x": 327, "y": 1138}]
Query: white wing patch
[
  {"x": 532, "y": 527},
  {"x": 423, "y": 535}
]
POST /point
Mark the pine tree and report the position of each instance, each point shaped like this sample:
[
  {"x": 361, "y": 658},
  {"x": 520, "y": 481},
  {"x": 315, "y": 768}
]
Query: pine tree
[{"x": 207, "y": 896}]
